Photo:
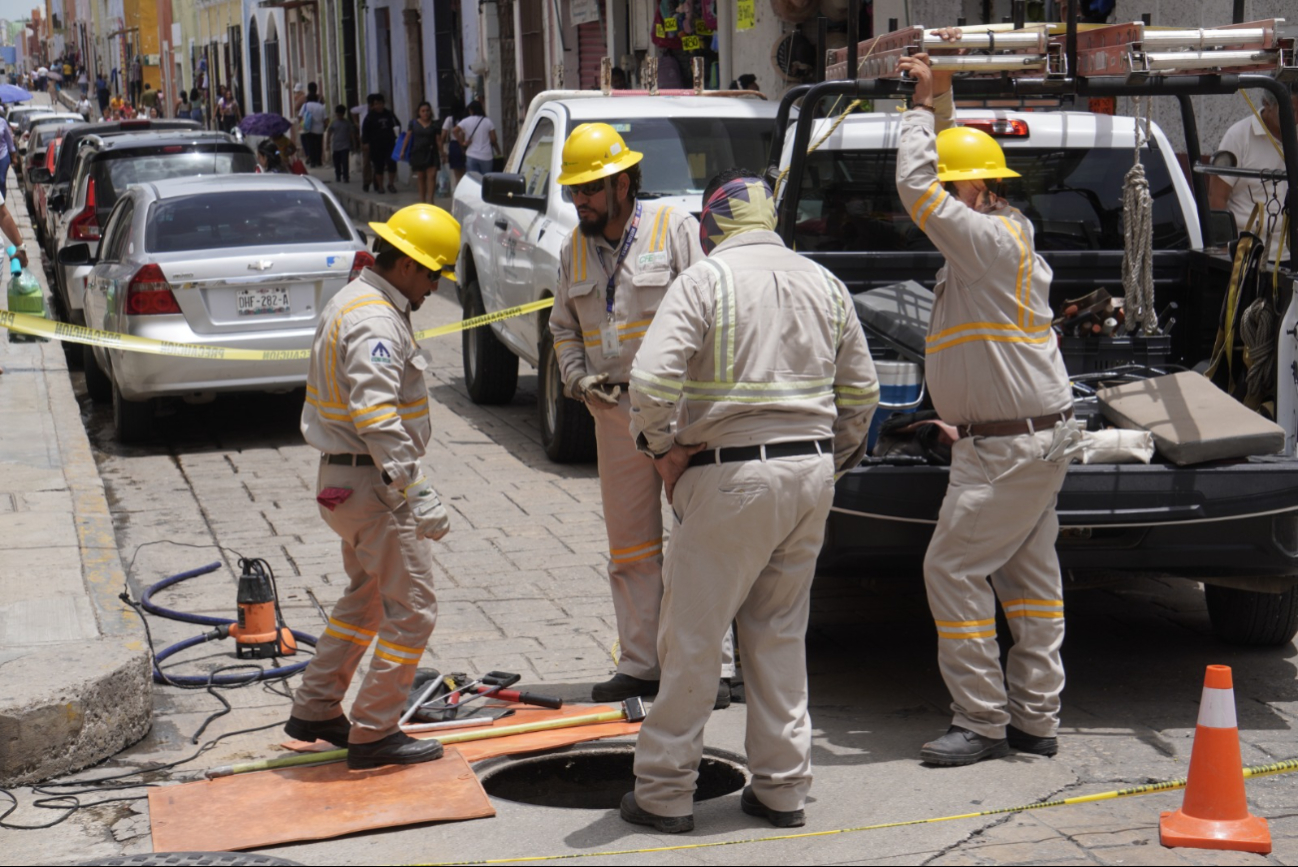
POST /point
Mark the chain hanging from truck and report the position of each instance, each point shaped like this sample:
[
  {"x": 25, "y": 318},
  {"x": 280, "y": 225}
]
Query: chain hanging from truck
[{"x": 1138, "y": 237}]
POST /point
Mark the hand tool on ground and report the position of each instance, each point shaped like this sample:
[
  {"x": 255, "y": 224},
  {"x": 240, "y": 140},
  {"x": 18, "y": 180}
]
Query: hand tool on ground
[
  {"x": 415, "y": 728},
  {"x": 632, "y": 710},
  {"x": 449, "y": 706},
  {"x": 428, "y": 690},
  {"x": 521, "y": 697}
]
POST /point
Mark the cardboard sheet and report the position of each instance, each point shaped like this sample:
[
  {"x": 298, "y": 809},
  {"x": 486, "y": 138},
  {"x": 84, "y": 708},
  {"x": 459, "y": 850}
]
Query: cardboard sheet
[
  {"x": 324, "y": 801},
  {"x": 476, "y": 751}
]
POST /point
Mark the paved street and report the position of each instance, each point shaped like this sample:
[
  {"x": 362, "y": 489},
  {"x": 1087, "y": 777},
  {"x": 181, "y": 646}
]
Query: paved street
[{"x": 523, "y": 589}]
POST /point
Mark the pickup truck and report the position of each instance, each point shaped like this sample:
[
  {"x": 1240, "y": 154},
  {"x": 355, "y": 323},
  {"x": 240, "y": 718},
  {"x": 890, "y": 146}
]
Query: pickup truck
[
  {"x": 1232, "y": 525},
  {"x": 514, "y": 223}
]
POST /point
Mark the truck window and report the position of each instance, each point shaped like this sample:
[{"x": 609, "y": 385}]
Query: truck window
[
  {"x": 1073, "y": 197},
  {"x": 535, "y": 167},
  {"x": 681, "y": 154}
]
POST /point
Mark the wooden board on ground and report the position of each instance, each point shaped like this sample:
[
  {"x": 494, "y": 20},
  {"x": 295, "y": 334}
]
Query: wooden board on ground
[{"x": 326, "y": 801}]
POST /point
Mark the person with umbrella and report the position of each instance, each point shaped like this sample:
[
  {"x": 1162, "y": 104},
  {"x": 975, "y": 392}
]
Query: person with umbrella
[{"x": 263, "y": 123}]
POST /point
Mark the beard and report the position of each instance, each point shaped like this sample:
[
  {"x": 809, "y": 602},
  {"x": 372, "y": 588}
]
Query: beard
[{"x": 593, "y": 228}]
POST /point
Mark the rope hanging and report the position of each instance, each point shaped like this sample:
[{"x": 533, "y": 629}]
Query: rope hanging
[{"x": 1138, "y": 243}]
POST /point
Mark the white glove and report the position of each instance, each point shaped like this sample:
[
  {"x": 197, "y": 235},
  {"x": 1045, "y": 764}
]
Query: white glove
[
  {"x": 591, "y": 389},
  {"x": 432, "y": 521}
]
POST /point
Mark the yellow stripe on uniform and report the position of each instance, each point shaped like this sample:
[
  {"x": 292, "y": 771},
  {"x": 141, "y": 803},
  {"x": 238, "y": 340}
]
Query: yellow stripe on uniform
[
  {"x": 991, "y": 338},
  {"x": 660, "y": 234},
  {"x": 1018, "y": 279},
  {"x": 928, "y": 212},
  {"x": 949, "y": 635},
  {"x": 1047, "y": 609},
  {"x": 919, "y": 203},
  {"x": 398, "y": 653},
  {"x": 346, "y": 632}
]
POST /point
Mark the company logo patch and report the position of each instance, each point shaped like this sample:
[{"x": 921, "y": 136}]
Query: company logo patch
[{"x": 380, "y": 352}]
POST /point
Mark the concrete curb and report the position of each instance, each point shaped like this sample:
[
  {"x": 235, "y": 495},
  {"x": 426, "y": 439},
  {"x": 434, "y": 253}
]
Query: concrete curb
[{"x": 69, "y": 704}]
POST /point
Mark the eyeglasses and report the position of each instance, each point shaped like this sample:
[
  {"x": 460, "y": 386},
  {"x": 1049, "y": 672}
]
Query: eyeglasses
[
  {"x": 588, "y": 189},
  {"x": 433, "y": 276}
]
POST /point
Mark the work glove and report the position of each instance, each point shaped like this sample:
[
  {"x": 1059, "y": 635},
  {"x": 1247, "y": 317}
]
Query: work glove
[
  {"x": 432, "y": 521},
  {"x": 592, "y": 389},
  {"x": 1066, "y": 442}
]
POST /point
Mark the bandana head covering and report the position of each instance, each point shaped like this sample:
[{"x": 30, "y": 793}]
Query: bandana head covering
[{"x": 738, "y": 206}]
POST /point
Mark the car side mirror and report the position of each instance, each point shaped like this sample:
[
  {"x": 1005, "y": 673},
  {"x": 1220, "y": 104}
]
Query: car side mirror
[
  {"x": 75, "y": 254},
  {"x": 1221, "y": 228},
  {"x": 39, "y": 175},
  {"x": 509, "y": 191}
]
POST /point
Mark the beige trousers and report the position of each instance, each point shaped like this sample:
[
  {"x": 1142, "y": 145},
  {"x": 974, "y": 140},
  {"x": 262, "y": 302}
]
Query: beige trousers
[
  {"x": 390, "y": 596},
  {"x": 745, "y": 550},
  {"x": 998, "y": 520},
  {"x": 631, "y": 491}
]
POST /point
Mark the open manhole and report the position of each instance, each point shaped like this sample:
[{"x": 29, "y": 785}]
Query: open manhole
[{"x": 596, "y": 778}]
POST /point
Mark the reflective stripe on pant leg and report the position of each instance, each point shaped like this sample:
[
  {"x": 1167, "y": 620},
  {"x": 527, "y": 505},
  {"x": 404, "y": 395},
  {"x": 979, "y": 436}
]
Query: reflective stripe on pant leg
[
  {"x": 390, "y": 549},
  {"x": 631, "y": 491},
  {"x": 354, "y": 618}
]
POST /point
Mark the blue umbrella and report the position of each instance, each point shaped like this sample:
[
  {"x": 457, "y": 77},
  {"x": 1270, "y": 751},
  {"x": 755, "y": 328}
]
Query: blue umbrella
[
  {"x": 13, "y": 93},
  {"x": 264, "y": 123}
]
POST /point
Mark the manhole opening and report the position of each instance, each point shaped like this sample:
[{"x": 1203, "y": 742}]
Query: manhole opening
[{"x": 596, "y": 779}]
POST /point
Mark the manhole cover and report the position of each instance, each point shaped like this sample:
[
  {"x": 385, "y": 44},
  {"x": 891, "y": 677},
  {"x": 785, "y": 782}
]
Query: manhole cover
[{"x": 595, "y": 778}]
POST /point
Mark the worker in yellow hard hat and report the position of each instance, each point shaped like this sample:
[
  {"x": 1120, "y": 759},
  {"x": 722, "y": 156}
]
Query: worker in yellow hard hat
[
  {"x": 997, "y": 381},
  {"x": 614, "y": 270},
  {"x": 367, "y": 412}
]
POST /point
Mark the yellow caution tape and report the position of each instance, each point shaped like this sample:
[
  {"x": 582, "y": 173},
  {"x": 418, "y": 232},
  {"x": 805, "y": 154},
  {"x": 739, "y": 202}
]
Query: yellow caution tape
[
  {"x": 1283, "y": 767},
  {"x": 36, "y": 326}
]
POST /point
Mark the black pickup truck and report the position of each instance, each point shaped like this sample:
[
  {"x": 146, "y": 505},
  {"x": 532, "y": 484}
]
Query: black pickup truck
[{"x": 1232, "y": 525}]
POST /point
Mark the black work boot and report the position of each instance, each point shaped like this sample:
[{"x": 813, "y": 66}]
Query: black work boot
[
  {"x": 335, "y": 730},
  {"x": 1026, "y": 743},
  {"x": 620, "y": 687},
  {"x": 959, "y": 746},
  {"x": 749, "y": 803},
  {"x": 723, "y": 695},
  {"x": 397, "y": 748},
  {"x": 631, "y": 812}
]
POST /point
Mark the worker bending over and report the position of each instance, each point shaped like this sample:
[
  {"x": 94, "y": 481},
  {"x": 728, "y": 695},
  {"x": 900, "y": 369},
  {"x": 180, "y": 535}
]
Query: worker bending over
[{"x": 995, "y": 372}]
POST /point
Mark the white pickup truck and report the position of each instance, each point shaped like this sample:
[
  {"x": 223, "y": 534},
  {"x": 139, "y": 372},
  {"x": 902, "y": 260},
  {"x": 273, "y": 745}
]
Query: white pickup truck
[{"x": 515, "y": 222}]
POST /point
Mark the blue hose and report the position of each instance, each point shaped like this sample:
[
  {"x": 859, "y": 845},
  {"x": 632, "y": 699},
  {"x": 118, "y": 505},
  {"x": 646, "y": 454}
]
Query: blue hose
[{"x": 146, "y": 602}]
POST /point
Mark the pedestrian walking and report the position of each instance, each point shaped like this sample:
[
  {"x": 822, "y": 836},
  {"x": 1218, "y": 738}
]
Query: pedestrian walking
[
  {"x": 379, "y": 134},
  {"x": 452, "y": 150},
  {"x": 313, "y": 117},
  {"x": 614, "y": 271},
  {"x": 102, "y": 93},
  {"x": 228, "y": 111},
  {"x": 148, "y": 100},
  {"x": 421, "y": 151},
  {"x": 753, "y": 386},
  {"x": 477, "y": 135},
  {"x": 367, "y": 412},
  {"x": 995, "y": 372},
  {"x": 339, "y": 140}
]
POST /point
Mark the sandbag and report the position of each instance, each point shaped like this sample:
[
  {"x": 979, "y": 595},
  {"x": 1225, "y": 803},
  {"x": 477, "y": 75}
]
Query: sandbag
[
  {"x": 1116, "y": 446},
  {"x": 1192, "y": 420}
]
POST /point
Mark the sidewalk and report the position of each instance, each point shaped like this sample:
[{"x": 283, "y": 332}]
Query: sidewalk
[
  {"x": 371, "y": 206},
  {"x": 74, "y": 669}
]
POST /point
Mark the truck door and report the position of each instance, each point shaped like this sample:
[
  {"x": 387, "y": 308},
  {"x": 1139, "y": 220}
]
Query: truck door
[{"x": 528, "y": 265}]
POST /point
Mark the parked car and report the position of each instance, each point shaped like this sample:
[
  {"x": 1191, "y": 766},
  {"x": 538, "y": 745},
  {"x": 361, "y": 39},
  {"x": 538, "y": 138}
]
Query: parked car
[
  {"x": 16, "y": 114},
  {"x": 107, "y": 164},
  {"x": 244, "y": 262},
  {"x": 39, "y": 192},
  {"x": 41, "y": 122},
  {"x": 32, "y": 121},
  {"x": 515, "y": 222}
]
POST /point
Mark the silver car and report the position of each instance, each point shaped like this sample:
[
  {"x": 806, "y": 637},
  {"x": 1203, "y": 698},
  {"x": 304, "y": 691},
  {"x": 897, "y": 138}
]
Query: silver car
[{"x": 239, "y": 261}]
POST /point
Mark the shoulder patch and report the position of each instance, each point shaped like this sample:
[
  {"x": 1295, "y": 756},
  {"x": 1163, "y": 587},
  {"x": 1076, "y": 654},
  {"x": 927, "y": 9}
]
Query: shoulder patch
[{"x": 381, "y": 351}]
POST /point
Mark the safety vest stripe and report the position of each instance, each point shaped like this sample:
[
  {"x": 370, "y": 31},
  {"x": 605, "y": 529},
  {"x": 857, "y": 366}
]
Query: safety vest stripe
[
  {"x": 643, "y": 323},
  {"x": 333, "y": 633},
  {"x": 1053, "y": 603},
  {"x": 1029, "y": 612},
  {"x": 928, "y": 212},
  {"x": 1044, "y": 607},
  {"x": 354, "y": 630},
  {"x": 617, "y": 552},
  {"x": 567, "y": 342},
  {"x": 376, "y": 419},
  {"x": 660, "y": 237},
  {"x": 400, "y": 648},
  {"x": 642, "y": 379},
  {"x": 836, "y": 304},
  {"x": 810, "y": 387},
  {"x": 990, "y": 633},
  {"x": 990, "y": 338},
  {"x": 653, "y": 233},
  {"x": 578, "y": 255},
  {"x": 726, "y": 314},
  {"x": 392, "y": 657},
  {"x": 332, "y": 354},
  {"x": 914, "y": 213},
  {"x": 984, "y": 326},
  {"x": 332, "y": 416},
  {"x": 1018, "y": 279},
  {"x": 871, "y": 391},
  {"x": 962, "y": 624},
  {"x": 313, "y": 398},
  {"x": 357, "y": 413},
  {"x": 846, "y": 401},
  {"x": 636, "y": 558}
]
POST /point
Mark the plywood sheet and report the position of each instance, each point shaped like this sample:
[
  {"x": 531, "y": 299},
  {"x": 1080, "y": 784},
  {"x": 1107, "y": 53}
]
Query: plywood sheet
[{"x": 324, "y": 801}]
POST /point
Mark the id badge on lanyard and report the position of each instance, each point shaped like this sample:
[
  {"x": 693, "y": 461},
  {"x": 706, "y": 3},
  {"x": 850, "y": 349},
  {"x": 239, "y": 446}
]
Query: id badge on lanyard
[{"x": 610, "y": 342}]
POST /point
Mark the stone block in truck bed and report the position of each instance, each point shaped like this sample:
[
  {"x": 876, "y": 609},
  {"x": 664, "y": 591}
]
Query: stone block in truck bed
[{"x": 1192, "y": 420}]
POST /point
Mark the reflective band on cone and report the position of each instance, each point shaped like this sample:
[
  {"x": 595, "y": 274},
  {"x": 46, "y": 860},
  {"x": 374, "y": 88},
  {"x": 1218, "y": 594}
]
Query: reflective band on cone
[{"x": 1214, "y": 813}]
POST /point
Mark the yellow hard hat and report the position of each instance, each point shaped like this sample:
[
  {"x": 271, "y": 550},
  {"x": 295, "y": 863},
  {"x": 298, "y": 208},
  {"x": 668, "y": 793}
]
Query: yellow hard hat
[
  {"x": 425, "y": 233},
  {"x": 594, "y": 151},
  {"x": 965, "y": 154}
]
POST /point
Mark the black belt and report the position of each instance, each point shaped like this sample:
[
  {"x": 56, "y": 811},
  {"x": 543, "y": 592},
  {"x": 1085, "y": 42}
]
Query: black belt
[
  {"x": 349, "y": 460},
  {"x": 757, "y": 453}
]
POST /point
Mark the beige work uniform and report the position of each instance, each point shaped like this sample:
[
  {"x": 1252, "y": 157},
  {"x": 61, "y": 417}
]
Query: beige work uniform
[
  {"x": 991, "y": 357},
  {"x": 366, "y": 396},
  {"x": 666, "y": 243},
  {"x": 754, "y": 346}
]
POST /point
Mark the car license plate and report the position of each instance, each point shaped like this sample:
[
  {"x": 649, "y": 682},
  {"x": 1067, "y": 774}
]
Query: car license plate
[{"x": 261, "y": 302}]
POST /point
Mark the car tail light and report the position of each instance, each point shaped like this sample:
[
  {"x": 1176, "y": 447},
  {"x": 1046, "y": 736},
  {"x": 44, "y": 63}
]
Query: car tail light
[
  {"x": 361, "y": 260},
  {"x": 85, "y": 225},
  {"x": 150, "y": 293},
  {"x": 998, "y": 128}
]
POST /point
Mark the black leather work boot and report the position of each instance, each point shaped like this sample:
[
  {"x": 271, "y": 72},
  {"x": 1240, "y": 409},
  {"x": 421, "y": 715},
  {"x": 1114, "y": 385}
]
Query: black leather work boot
[
  {"x": 632, "y": 812},
  {"x": 1025, "y": 743},
  {"x": 335, "y": 730},
  {"x": 620, "y": 687},
  {"x": 750, "y": 804},
  {"x": 397, "y": 748},
  {"x": 959, "y": 746}
]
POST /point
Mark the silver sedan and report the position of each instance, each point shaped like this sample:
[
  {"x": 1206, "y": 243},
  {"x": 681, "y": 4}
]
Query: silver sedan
[{"x": 238, "y": 261}]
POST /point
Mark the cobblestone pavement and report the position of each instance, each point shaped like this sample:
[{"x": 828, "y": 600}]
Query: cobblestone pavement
[{"x": 523, "y": 589}]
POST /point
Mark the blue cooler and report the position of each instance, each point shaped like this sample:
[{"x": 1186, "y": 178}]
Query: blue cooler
[{"x": 901, "y": 389}]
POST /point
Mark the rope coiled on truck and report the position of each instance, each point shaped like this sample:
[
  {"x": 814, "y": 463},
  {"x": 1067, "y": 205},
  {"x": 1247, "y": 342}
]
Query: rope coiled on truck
[{"x": 1138, "y": 241}]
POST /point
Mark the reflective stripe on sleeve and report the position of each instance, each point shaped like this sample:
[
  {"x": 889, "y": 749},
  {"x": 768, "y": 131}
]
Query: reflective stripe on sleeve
[
  {"x": 656, "y": 386},
  {"x": 846, "y": 395}
]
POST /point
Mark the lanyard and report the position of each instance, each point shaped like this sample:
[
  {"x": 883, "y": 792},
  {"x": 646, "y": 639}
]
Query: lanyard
[{"x": 621, "y": 257}]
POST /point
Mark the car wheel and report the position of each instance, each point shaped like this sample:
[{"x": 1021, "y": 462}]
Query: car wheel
[
  {"x": 98, "y": 385},
  {"x": 490, "y": 369},
  {"x": 132, "y": 419},
  {"x": 567, "y": 428},
  {"x": 1252, "y": 619}
]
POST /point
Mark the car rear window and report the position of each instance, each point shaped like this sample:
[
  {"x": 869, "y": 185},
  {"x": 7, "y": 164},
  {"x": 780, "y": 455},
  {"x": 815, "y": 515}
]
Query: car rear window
[
  {"x": 252, "y": 218},
  {"x": 115, "y": 170},
  {"x": 1073, "y": 197}
]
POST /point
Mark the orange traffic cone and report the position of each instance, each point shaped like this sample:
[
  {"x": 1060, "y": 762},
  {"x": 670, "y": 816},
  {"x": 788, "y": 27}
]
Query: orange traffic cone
[{"x": 1214, "y": 814}]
